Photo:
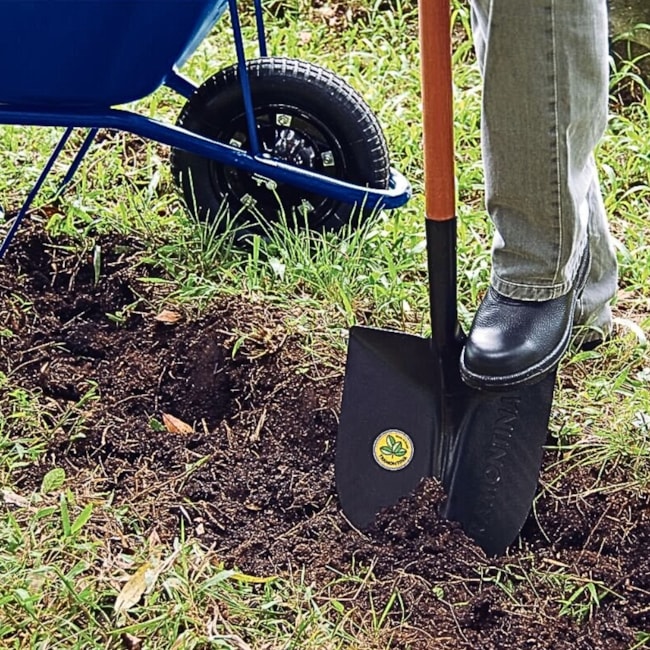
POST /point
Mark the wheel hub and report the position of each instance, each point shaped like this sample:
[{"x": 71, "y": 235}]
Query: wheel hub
[
  {"x": 291, "y": 137},
  {"x": 292, "y": 147}
]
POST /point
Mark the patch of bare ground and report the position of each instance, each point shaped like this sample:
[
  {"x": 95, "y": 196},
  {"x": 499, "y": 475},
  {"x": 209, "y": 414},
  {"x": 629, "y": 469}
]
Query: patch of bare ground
[{"x": 247, "y": 466}]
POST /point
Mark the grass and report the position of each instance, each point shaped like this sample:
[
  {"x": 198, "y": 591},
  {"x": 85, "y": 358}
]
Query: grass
[
  {"x": 62, "y": 574},
  {"x": 65, "y": 589}
]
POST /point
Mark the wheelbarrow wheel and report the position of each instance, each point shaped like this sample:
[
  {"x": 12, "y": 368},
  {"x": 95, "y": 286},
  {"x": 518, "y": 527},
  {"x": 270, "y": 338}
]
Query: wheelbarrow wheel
[{"x": 305, "y": 116}]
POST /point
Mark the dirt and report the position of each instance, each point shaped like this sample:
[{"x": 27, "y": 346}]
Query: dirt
[{"x": 249, "y": 468}]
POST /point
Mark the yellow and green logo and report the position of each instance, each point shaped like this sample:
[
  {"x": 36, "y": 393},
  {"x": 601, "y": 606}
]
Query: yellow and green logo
[{"x": 393, "y": 449}]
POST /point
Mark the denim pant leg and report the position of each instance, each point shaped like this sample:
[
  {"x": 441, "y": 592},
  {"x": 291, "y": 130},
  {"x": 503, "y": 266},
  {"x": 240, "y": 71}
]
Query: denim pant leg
[{"x": 545, "y": 89}]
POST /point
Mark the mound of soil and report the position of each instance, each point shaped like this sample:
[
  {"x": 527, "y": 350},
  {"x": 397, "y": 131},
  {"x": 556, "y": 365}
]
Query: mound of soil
[{"x": 249, "y": 467}]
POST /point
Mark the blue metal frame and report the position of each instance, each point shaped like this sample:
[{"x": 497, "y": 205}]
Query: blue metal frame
[
  {"x": 178, "y": 137},
  {"x": 243, "y": 77},
  {"x": 34, "y": 191},
  {"x": 180, "y": 84},
  {"x": 254, "y": 161}
]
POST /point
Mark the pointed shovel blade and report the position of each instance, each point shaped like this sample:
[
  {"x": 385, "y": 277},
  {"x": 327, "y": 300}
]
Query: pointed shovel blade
[
  {"x": 399, "y": 424},
  {"x": 388, "y": 423}
]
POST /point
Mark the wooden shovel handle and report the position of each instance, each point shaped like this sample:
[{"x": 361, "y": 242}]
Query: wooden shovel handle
[{"x": 437, "y": 115}]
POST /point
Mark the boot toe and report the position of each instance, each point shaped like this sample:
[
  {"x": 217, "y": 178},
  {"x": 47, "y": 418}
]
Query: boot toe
[
  {"x": 515, "y": 341},
  {"x": 491, "y": 350}
]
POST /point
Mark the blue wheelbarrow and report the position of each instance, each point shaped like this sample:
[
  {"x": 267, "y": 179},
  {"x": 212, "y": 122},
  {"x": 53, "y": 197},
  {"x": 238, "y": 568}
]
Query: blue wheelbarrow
[{"x": 262, "y": 132}]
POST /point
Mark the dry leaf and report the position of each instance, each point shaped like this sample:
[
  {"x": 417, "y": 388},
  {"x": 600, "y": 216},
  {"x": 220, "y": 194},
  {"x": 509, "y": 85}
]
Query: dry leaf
[
  {"x": 10, "y": 497},
  {"x": 168, "y": 317},
  {"x": 144, "y": 579},
  {"x": 304, "y": 37},
  {"x": 134, "y": 588},
  {"x": 174, "y": 425}
]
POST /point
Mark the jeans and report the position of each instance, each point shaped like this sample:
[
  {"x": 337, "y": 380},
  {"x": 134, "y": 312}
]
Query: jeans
[{"x": 544, "y": 108}]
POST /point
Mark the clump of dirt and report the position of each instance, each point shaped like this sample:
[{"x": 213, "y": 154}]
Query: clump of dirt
[{"x": 251, "y": 472}]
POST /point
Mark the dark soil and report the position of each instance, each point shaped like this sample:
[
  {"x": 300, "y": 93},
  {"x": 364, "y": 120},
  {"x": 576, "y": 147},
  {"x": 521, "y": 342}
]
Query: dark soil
[{"x": 254, "y": 479}]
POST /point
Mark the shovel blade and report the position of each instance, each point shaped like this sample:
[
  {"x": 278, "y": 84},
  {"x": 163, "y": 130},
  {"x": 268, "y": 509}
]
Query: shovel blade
[
  {"x": 485, "y": 446},
  {"x": 388, "y": 422},
  {"x": 493, "y": 474}
]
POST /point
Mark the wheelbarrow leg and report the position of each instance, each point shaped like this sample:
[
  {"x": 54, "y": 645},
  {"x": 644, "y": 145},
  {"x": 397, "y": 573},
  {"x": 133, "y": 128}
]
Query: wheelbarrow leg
[
  {"x": 83, "y": 150},
  {"x": 34, "y": 191}
]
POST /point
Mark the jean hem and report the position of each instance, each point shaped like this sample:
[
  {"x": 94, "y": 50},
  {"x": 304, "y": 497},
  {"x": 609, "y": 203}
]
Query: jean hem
[{"x": 520, "y": 291}]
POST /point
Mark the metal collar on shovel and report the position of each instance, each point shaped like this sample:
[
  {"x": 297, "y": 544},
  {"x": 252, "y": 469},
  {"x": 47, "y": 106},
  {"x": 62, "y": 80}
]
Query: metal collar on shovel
[{"x": 405, "y": 413}]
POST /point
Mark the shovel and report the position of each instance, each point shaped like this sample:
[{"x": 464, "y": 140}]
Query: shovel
[{"x": 405, "y": 412}]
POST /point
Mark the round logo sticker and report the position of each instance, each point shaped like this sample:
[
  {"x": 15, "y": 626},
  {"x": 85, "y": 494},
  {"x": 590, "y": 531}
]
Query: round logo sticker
[{"x": 393, "y": 449}]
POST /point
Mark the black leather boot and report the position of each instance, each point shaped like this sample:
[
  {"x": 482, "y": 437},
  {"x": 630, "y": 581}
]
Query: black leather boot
[{"x": 514, "y": 342}]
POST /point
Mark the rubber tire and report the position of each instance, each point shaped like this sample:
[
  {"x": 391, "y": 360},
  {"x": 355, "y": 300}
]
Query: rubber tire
[{"x": 319, "y": 99}]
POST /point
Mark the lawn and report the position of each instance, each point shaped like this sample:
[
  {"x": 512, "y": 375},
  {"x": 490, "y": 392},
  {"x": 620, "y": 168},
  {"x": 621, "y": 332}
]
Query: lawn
[{"x": 169, "y": 401}]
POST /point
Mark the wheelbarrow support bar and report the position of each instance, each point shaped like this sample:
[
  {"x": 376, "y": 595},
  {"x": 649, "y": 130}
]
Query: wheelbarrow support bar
[
  {"x": 267, "y": 169},
  {"x": 396, "y": 195}
]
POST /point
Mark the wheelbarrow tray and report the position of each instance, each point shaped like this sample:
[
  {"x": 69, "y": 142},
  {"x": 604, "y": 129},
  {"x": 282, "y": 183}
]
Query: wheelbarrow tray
[{"x": 96, "y": 52}]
